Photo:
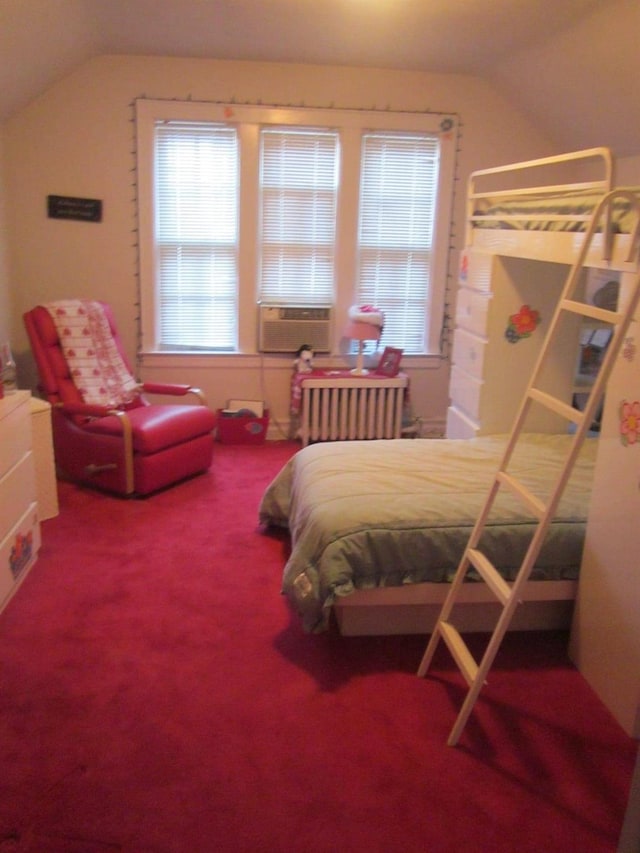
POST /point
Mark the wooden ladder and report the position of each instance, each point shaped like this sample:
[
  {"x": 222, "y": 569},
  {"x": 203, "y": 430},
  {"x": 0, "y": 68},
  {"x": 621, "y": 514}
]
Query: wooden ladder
[{"x": 509, "y": 595}]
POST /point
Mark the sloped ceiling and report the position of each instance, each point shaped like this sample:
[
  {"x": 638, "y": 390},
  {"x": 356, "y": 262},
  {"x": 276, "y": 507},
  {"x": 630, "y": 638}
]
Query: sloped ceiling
[{"x": 572, "y": 65}]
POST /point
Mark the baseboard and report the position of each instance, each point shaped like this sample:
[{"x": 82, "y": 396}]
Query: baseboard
[{"x": 419, "y": 428}]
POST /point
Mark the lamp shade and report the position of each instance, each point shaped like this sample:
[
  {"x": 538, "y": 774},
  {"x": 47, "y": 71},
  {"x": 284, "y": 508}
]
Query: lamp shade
[{"x": 362, "y": 331}]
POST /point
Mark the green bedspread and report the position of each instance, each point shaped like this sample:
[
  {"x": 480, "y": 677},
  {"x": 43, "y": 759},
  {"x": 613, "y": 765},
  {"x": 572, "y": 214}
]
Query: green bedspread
[
  {"x": 364, "y": 514},
  {"x": 532, "y": 212}
]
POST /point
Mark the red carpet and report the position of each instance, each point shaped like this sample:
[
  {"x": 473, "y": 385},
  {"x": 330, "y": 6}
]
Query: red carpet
[{"x": 157, "y": 697}]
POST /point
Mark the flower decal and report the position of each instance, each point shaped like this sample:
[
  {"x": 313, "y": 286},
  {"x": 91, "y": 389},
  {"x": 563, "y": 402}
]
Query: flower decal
[
  {"x": 629, "y": 422},
  {"x": 464, "y": 266},
  {"x": 629, "y": 349},
  {"x": 522, "y": 325}
]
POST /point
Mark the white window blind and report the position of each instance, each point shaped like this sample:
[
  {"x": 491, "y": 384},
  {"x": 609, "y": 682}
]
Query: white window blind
[
  {"x": 299, "y": 177},
  {"x": 196, "y": 235},
  {"x": 398, "y": 197}
]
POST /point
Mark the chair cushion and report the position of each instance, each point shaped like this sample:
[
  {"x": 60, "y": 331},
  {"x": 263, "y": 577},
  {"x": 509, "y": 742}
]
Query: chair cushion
[{"x": 156, "y": 427}]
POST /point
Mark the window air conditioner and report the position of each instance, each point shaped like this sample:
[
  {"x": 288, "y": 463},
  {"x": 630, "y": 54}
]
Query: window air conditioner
[{"x": 283, "y": 328}]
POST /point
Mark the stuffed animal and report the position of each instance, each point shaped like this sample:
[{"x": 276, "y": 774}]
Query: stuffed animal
[{"x": 304, "y": 359}]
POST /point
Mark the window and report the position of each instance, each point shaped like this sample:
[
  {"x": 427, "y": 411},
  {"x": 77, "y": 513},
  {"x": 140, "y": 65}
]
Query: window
[
  {"x": 398, "y": 192},
  {"x": 242, "y": 204},
  {"x": 196, "y": 235},
  {"x": 298, "y": 203}
]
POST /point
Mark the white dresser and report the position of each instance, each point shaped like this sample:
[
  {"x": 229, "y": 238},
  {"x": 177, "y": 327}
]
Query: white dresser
[
  {"x": 19, "y": 525},
  {"x": 491, "y": 364}
]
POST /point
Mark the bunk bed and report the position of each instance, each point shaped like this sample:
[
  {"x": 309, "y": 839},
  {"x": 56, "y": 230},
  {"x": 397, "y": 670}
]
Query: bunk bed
[
  {"x": 508, "y": 218},
  {"x": 508, "y": 214}
]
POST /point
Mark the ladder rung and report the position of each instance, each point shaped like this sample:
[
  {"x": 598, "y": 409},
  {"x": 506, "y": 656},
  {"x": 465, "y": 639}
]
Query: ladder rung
[
  {"x": 537, "y": 507},
  {"x": 461, "y": 654},
  {"x": 556, "y": 405},
  {"x": 490, "y": 575},
  {"x": 592, "y": 311}
]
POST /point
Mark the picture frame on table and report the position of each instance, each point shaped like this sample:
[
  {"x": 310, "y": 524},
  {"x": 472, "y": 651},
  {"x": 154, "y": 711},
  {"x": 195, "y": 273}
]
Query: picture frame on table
[{"x": 389, "y": 364}]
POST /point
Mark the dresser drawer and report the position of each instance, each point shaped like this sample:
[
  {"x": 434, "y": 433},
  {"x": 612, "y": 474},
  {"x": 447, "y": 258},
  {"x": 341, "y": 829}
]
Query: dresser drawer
[
  {"x": 465, "y": 392},
  {"x": 468, "y": 352},
  {"x": 18, "y": 552},
  {"x": 17, "y": 491},
  {"x": 472, "y": 308},
  {"x": 15, "y": 423}
]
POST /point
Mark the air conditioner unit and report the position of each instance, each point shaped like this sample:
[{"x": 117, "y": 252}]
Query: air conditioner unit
[{"x": 283, "y": 328}]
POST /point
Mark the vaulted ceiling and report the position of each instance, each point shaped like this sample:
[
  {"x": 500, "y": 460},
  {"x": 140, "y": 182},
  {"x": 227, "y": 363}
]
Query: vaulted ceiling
[{"x": 571, "y": 65}]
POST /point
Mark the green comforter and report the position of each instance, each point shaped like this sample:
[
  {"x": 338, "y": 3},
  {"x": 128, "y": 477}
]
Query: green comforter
[{"x": 364, "y": 514}]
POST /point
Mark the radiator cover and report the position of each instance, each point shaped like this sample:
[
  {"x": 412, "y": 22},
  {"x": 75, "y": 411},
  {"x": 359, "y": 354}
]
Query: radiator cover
[{"x": 352, "y": 408}]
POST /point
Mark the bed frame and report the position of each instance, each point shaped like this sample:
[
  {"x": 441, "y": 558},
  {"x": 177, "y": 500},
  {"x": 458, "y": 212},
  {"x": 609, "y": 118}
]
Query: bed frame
[
  {"x": 414, "y": 609},
  {"x": 608, "y": 250},
  {"x": 547, "y": 605}
]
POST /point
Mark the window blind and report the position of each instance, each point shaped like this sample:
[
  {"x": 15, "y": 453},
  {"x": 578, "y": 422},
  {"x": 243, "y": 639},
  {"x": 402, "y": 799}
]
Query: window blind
[
  {"x": 398, "y": 196},
  {"x": 299, "y": 177},
  {"x": 196, "y": 235}
]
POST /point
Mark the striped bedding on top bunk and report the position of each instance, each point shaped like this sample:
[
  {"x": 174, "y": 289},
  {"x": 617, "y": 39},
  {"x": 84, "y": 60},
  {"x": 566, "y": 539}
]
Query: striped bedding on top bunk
[{"x": 562, "y": 211}]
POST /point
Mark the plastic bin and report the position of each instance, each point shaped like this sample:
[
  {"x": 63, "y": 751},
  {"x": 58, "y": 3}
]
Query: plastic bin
[{"x": 242, "y": 429}]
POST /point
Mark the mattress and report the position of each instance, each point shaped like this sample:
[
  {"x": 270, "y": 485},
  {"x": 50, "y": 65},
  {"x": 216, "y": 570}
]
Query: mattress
[
  {"x": 366, "y": 514},
  {"x": 557, "y": 212}
]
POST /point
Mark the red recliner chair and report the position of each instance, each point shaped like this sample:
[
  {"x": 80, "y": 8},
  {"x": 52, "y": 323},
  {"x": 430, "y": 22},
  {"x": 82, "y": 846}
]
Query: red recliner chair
[{"x": 127, "y": 446}]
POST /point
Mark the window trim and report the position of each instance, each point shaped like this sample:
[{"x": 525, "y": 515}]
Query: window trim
[{"x": 249, "y": 119}]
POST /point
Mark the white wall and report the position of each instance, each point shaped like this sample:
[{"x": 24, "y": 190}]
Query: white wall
[
  {"x": 579, "y": 82},
  {"x": 5, "y": 300},
  {"x": 628, "y": 171},
  {"x": 76, "y": 139}
]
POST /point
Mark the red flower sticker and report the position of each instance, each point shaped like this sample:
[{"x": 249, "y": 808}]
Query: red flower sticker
[
  {"x": 522, "y": 325},
  {"x": 464, "y": 267},
  {"x": 629, "y": 422}
]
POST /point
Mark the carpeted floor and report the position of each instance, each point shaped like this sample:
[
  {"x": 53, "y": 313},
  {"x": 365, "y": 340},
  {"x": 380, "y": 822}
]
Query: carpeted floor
[{"x": 156, "y": 696}]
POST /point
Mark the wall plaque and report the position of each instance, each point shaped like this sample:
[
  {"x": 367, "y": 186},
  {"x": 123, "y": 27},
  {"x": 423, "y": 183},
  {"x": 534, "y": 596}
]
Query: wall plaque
[{"x": 66, "y": 207}]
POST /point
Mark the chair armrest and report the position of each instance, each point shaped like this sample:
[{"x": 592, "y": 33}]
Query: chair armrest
[
  {"x": 173, "y": 390},
  {"x": 85, "y": 410}
]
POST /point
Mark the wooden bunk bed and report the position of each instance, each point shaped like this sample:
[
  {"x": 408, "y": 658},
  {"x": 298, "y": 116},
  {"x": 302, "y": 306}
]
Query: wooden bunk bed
[
  {"x": 521, "y": 241},
  {"x": 509, "y": 215}
]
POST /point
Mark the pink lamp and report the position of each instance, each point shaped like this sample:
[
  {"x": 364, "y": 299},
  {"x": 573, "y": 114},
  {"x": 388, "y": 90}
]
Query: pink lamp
[{"x": 361, "y": 332}]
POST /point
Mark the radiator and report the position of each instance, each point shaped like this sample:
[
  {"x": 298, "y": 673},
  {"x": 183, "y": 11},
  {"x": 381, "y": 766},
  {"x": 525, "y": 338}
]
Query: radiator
[{"x": 349, "y": 408}]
